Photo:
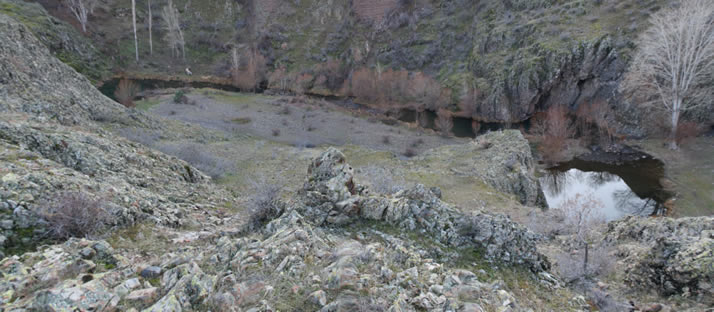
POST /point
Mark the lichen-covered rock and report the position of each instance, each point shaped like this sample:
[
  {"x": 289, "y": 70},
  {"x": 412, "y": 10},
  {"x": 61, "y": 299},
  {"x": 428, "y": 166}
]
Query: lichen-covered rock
[
  {"x": 35, "y": 82},
  {"x": 675, "y": 256},
  {"x": 60, "y": 278},
  {"x": 333, "y": 196},
  {"x": 502, "y": 159}
]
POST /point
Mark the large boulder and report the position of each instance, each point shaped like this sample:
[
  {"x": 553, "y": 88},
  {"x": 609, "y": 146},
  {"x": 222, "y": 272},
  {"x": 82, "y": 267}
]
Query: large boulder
[
  {"x": 673, "y": 256},
  {"x": 502, "y": 159}
]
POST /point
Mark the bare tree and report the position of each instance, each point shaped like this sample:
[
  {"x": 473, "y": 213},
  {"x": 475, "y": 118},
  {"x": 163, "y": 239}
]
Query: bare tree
[
  {"x": 582, "y": 215},
  {"x": 151, "y": 40},
  {"x": 675, "y": 59},
  {"x": 133, "y": 21},
  {"x": 174, "y": 34},
  {"x": 81, "y": 9}
]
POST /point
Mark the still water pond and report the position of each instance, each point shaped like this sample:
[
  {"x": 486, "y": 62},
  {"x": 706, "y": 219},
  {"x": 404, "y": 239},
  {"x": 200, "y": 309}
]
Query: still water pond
[{"x": 631, "y": 188}]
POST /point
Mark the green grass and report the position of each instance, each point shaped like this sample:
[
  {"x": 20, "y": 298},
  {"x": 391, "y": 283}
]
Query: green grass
[
  {"x": 692, "y": 171},
  {"x": 147, "y": 104}
]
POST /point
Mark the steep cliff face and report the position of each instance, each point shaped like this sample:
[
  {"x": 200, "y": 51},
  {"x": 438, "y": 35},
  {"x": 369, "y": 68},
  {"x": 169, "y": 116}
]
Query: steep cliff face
[{"x": 493, "y": 61}]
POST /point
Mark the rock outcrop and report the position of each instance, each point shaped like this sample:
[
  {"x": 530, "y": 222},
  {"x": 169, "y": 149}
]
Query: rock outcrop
[
  {"x": 502, "y": 159},
  {"x": 332, "y": 196},
  {"x": 673, "y": 256}
]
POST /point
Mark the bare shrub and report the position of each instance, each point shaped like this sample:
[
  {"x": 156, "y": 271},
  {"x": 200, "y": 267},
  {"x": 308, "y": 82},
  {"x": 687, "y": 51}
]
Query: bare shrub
[
  {"x": 592, "y": 122},
  {"x": 263, "y": 204},
  {"x": 444, "y": 122},
  {"x": 410, "y": 152},
  {"x": 581, "y": 215},
  {"x": 198, "y": 156},
  {"x": 75, "y": 214},
  {"x": 558, "y": 130},
  {"x": 125, "y": 92},
  {"x": 475, "y": 127},
  {"x": 397, "y": 87},
  {"x": 571, "y": 268},
  {"x": 276, "y": 132},
  {"x": 386, "y": 140},
  {"x": 382, "y": 180},
  {"x": 687, "y": 130},
  {"x": 248, "y": 70}
]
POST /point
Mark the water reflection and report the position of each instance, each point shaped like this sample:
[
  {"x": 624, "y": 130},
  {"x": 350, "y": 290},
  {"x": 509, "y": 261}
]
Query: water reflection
[{"x": 616, "y": 197}]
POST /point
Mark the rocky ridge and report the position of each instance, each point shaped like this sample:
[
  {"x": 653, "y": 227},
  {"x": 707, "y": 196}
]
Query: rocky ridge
[{"x": 307, "y": 257}]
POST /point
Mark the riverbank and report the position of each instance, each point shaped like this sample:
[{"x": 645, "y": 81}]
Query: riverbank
[{"x": 689, "y": 173}]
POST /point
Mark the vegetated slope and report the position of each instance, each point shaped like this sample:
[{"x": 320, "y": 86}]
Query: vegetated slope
[
  {"x": 495, "y": 61},
  {"x": 53, "y": 142},
  {"x": 64, "y": 41}
]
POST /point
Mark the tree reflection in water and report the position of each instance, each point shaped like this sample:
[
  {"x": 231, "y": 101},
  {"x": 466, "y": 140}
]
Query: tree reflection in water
[
  {"x": 616, "y": 196},
  {"x": 629, "y": 203}
]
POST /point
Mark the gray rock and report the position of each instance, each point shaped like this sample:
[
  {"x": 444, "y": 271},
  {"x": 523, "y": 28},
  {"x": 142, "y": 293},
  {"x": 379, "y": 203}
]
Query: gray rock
[
  {"x": 151, "y": 272},
  {"x": 6, "y": 224},
  {"x": 87, "y": 253},
  {"x": 318, "y": 297}
]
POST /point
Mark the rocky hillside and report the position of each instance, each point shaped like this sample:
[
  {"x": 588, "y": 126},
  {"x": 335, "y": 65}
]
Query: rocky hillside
[
  {"x": 52, "y": 143},
  {"x": 493, "y": 61},
  {"x": 175, "y": 240}
]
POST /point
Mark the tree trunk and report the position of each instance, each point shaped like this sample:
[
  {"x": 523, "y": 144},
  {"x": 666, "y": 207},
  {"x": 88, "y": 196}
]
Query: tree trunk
[
  {"x": 585, "y": 261},
  {"x": 133, "y": 19},
  {"x": 151, "y": 41},
  {"x": 675, "y": 124}
]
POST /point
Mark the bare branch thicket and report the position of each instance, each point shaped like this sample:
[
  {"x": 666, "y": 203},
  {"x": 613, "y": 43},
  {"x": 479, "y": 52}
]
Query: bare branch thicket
[
  {"x": 444, "y": 122},
  {"x": 581, "y": 215},
  {"x": 264, "y": 202},
  {"x": 557, "y": 128},
  {"x": 592, "y": 121},
  {"x": 174, "y": 34},
  {"x": 249, "y": 70},
  {"x": 125, "y": 92},
  {"x": 75, "y": 214},
  {"x": 81, "y": 9},
  {"x": 673, "y": 66}
]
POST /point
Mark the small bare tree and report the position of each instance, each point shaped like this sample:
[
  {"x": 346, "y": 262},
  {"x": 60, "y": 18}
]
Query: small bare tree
[
  {"x": 81, "y": 9},
  {"x": 174, "y": 34},
  {"x": 673, "y": 66},
  {"x": 581, "y": 215},
  {"x": 133, "y": 22}
]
